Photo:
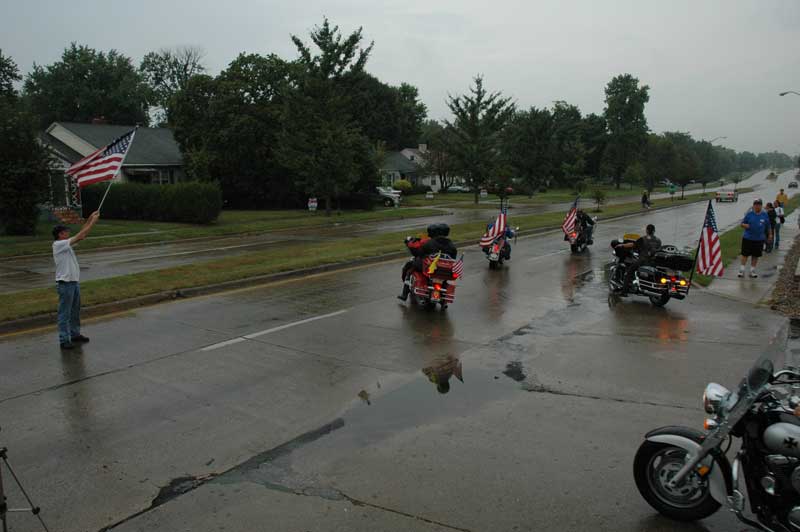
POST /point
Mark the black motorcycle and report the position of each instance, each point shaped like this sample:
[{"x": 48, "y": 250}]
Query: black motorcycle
[
  {"x": 581, "y": 237},
  {"x": 659, "y": 281},
  {"x": 685, "y": 473}
]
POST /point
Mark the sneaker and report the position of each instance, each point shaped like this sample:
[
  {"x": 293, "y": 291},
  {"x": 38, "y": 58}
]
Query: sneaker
[
  {"x": 402, "y": 297},
  {"x": 741, "y": 274},
  {"x": 67, "y": 345},
  {"x": 81, "y": 339},
  {"x": 753, "y": 275}
]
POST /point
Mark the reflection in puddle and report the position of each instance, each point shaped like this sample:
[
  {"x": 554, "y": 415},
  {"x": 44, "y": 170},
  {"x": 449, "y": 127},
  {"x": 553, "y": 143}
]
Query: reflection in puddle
[
  {"x": 440, "y": 372},
  {"x": 575, "y": 276}
]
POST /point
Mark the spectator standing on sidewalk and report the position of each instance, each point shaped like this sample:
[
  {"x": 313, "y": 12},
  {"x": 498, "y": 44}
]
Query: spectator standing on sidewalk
[
  {"x": 781, "y": 198},
  {"x": 68, "y": 275},
  {"x": 781, "y": 215},
  {"x": 756, "y": 231},
  {"x": 773, "y": 220},
  {"x": 645, "y": 200}
]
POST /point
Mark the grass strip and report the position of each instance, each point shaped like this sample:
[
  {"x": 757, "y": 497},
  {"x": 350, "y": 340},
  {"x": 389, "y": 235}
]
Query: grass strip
[
  {"x": 731, "y": 240},
  {"x": 296, "y": 256},
  {"x": 113, "y": 233}
]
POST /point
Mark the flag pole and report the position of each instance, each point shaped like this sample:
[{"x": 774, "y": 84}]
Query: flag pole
[
  {"x": 118, "y": 170},
  {"x": 697, "y": 250}
]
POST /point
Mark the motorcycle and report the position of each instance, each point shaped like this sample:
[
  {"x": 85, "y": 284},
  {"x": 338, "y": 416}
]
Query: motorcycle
[
  {"x": 580, "y": 238},
  {"x": 660, "y": 281},
  {"x": 685, "y": 474},
  {"x": 499, "y": 250},
  {"x": 432, "y": 282}
]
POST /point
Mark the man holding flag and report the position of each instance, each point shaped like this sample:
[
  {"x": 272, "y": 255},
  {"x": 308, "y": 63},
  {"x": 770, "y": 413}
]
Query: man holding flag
[
  {"x": 497, "y": 228},
  {"x": 101, "y": 165}
]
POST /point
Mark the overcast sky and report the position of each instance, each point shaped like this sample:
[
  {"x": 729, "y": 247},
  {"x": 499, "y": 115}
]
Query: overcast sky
[{"x": 714, "y": 67}]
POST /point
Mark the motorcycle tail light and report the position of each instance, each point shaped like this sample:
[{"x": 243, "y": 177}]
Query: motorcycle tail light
[
  {"x": 455, "y": 276},
  {"x": 574, "y": 235},
  {"x": 437, "y": 287},
  {"x": 496, "y": 248},
  {"x": 674, "y": 279}
]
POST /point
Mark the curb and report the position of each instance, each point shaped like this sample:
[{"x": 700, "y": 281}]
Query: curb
[{"x": 102, "y": 309}]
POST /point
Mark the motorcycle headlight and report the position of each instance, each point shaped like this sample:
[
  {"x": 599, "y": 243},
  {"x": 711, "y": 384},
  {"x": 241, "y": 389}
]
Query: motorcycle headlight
[{"x": 713, "y": 397}]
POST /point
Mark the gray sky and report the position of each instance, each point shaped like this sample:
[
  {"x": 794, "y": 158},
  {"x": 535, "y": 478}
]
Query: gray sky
[{"x": 714, "y": 67}]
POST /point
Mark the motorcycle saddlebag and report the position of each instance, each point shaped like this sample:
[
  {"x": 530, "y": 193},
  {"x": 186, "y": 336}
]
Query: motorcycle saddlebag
[{"x": 681, "y": 262}]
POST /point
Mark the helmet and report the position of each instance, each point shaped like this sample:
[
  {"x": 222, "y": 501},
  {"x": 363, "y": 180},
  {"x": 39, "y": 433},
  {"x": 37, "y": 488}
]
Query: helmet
[{"x": 435, "y": 230}]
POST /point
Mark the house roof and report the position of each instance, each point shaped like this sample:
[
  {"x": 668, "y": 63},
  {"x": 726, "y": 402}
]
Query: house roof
[
  {"x": 397, "y": 162},
  {"x": 152, "y": 146},
  {"x": 67, "y": 153}
]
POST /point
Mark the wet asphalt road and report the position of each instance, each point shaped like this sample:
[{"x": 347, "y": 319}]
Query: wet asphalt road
[
  {"x": 23, "y": 273},
  {"x": 310, "y": 404}
]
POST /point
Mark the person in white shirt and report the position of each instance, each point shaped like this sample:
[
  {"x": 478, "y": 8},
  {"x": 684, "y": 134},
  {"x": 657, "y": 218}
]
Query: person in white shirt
[
  {"x": 780, "y": 216},
  {"x": 67, "y": 282}
]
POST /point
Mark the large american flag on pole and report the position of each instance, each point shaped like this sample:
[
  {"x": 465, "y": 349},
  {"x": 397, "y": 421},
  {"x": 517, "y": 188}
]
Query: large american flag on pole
[
  {"x": 569, "y": 221},
  {"x": 709, "y": 252},
  {"x": 103, "y": 164},
  {"x": 497, "y": 229}
]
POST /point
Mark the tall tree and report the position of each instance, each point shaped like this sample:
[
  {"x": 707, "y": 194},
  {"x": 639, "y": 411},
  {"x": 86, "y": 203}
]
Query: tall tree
[
  {"x": 324, "y": 147},
  {"x": 594, "y": 136},
  {"x": 167, "y": 71},
  {"x": 24, "y": 163},
  {"x": 87, "y": 84},
  {"x": 479, "y": 119},
  {"x": 438, "y": 160},
  {"x": 627, "y": 125},
  {"x": 527, "y": 145},
  {"x": 411, "y": 116},
  {"x": 568, "y": 151}
]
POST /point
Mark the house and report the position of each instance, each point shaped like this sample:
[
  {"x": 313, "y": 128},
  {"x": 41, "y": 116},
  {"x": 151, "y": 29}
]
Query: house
[
  {"x": 154, "y": 156},
  {"x": 396, "y": 166}
]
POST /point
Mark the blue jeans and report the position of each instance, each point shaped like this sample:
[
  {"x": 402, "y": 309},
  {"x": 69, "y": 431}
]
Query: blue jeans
[
  {"x": 69, "y": 311},
  {"x": 777, "y": 234}
]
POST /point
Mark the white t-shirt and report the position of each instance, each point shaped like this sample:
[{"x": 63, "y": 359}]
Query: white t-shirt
[
  {"x": 66, "y": 263},
  {"x": 779, "y": 212}
]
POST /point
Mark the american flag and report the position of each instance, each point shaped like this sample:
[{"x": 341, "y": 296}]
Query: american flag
[
  {"x": 103, "y": 164},
  {"x": 458, "y": 267},
  {"x": 497, "y": 229},
  {"x": 569, "y": 221},
  {"x": 709, "y": 252}
]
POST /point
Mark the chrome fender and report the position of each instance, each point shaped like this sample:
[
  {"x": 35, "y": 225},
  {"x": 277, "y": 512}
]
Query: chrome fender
[{"x": 716, "y": 480}]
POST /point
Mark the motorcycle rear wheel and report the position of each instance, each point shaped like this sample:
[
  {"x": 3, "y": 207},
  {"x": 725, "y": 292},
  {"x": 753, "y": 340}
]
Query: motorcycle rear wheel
[
  {"x": 655, "y": 464},
  {"x": 659, "y": 301}
]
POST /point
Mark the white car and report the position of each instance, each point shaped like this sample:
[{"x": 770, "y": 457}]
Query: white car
[
  {"x": 458, "y": 188},
  {"x": 390, "y": 196}
]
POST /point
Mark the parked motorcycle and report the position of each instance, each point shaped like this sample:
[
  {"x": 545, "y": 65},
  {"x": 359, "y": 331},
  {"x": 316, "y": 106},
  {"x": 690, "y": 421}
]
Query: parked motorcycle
[
  {"x": 660, "y": 281},
  {"x": 433, "y": 283},
  {"x": 580, "y": 238},
  {"x": 685, "y": 474}
]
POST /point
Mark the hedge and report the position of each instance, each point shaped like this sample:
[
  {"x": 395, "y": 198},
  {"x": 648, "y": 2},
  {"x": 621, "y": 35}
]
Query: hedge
[{"x": 191, "y": 202}]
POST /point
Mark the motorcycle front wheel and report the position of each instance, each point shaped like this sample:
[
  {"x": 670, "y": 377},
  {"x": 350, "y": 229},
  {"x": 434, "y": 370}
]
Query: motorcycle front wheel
[{"x": 654, "y": 466}]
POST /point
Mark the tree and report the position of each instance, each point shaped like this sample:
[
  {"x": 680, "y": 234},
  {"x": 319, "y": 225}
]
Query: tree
[
  {"x": 627, "y": 125},
  {"x": 634, "y": 174},
  {"x": 438, "y": 160},
  {"x": 594, "y": 137},
  {"x": 479, "y": 119},
  {"x": 685, "y": 164},
  {"x": 168, "y": 71},
  {"x": 24, "y": 163},
  {"x": 599, "y": 197},
  {"x": 87, "y": 84},
  {"x": 411, "y": 116},
  {"x": 324, "y": 144},
  {"x": 568, "y": 153},
  {"x": 527, "y": 145}
]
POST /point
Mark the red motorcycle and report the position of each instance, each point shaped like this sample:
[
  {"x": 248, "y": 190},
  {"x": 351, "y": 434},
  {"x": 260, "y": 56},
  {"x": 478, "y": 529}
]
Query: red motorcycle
[{"x": 434, "y": 283}]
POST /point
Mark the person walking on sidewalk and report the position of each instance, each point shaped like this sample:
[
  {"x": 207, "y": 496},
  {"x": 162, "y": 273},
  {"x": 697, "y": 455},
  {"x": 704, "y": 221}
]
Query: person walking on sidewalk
[
  {"x": 781, "y": 198},
  {"x": 781, "y": 219},
  {"x": 756, "y": 231},
  {"x": 68, "y": 275},
  {"x": 773, "y": 221}
]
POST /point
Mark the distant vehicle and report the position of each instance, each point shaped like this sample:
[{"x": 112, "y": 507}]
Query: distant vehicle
[
  {"x": 727, "y": 195},
  {"x": 458, "y": 188},
  {"x": 389, "y": 196},
  {"x": 793, "y": 184},
  {"x": 666, "y": 182},
  {"x": 692, "y": 182}
]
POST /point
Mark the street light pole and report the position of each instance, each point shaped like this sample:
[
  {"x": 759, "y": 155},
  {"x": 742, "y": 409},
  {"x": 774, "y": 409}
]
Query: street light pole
[{"x": 789, "y": 92}]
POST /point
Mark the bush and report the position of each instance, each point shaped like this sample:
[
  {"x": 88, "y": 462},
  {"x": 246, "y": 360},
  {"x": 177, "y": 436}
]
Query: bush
[
  {"x": 420, "y": 189},
  {"x": 191, "y": 202},
  {"x": 403, "y": 186}
]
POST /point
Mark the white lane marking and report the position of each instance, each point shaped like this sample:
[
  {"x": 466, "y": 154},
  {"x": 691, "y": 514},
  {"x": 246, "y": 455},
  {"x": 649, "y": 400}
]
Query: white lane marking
[{"x": 272, "y": 330}]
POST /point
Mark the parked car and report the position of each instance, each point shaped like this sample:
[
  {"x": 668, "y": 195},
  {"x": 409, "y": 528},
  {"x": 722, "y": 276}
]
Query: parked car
[
  {"x": 458, "y": 188},
  {"x": 727, "y": 195},
  {"x": 793, "y": 184},
  {"x": 389, "y": 196}
]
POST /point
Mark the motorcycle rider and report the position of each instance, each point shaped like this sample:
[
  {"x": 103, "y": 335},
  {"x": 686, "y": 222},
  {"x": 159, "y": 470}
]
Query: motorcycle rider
[
  {"x": 646, "y": 246},
  {"x": 586, "y": 224},
  {"x": 509, "y": 234},
  {"x": 436, "y": 242}
]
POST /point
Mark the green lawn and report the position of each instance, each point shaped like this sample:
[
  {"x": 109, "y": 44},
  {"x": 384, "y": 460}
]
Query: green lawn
[
  {"x": 291, "y": 257},
  {"x": 109, "y": 233}
]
